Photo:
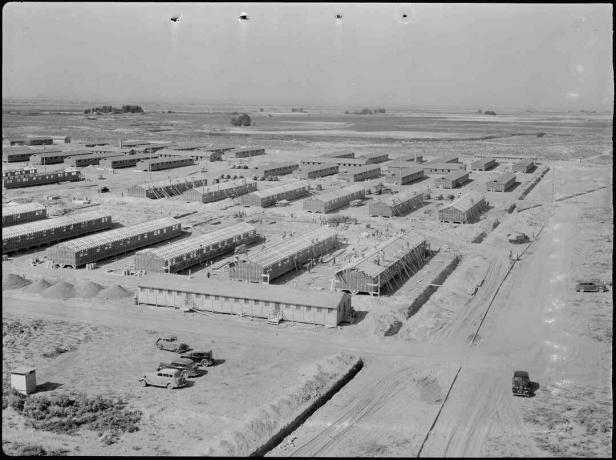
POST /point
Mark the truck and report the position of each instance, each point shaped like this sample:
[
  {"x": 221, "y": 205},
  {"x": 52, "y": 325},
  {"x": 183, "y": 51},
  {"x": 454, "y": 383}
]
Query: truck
[
  {"x": 203, "y": 358},
  {"x": 520, "y": 384},
  {"x": 187, "y": 366},
  {"x": 170, "y": 343},
  {"x": 164, "y": 377}
]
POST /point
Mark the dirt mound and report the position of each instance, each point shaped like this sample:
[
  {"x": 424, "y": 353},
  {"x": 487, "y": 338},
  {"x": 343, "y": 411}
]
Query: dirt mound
[
  {"x": 114, "y": 291},
  {"x": 13, "y": 281},
  {"x": 87, "y": 289},
  {"x": 60, "y": 290},
  {"x": 431, "y": 391},
  {"x": 38, "y": 286}
]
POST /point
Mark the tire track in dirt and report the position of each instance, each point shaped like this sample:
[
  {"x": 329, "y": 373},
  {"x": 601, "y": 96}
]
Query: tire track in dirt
[{"x": 370, "y": 401}]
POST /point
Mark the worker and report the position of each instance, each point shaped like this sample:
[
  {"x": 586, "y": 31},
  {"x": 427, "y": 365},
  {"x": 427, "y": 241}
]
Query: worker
[{"x": 208, "y": 275}]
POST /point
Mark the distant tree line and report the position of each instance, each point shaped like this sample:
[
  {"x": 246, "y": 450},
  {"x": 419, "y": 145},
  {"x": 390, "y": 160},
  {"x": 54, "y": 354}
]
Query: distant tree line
[
  {"x": 301, "y": 109},
  {"x": 488, "y": 112},
  {"x": 110, "y": 109},
  {"x": 365, "y": 111},
  {"x": 241, "y": 120}
]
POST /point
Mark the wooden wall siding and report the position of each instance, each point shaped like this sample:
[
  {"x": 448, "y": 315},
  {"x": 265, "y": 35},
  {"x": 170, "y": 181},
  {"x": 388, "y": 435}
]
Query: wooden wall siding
[
  {"x": 126, "y": 161},
  {"x": 356, "y": 280},
  {"x": 318, "y": 171},
  {"x": 150, "y": 261},
  {"x": 326, "y": 202},
  {"x": 219, "y": 192},
  {"x": 483, "y": 164},
  {"x": 163, "y": 163},
  {"x": 14, "y": 157},
  {"x": 451, "y": 182},
  {"x": 361, "y": 174},
  {"x": 454, "y": 215},
  {"x": 278, "y": 170},
  {"x": 16, "y": 216},
  {"x": 244, "y": 153},
  {"x": 29, "y": 180},
  {"x": 265, "y": 200},
  {"x": 49, "y": 231},
  {"x": 245, "y": 307},
  {"x": 253, "y": 270},
  {"x": 18, "y": 172},
  {"x": 65, "y": 255},
  {"x": 523, "y": 166},
  {"x": 165, "y": 189},
  {"x": 404, "y": 178},
  {"x": 501, "y": 184},
  {"x": 38, "y": 159},
  {"x": 398, "y": 208}
]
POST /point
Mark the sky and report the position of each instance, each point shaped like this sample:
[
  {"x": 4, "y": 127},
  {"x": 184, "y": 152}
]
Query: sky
[{"x": 486, "y": 56}]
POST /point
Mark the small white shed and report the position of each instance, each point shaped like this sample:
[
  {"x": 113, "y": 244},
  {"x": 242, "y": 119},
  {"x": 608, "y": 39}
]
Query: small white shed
[{"x": 23, "y": 379}]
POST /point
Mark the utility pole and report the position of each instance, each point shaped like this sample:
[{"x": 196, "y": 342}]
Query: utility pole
[{"x": 553, "y": 182}]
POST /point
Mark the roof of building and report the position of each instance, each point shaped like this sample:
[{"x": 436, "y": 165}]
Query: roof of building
[
  {"x": 247, "y": 149},
  {"x": 398, "y": 198},
  {"x": 158, "y": 160},
  {"x": 276, "y": 252},
  {"x": 456, "y": 174},
  {"x": 275, "y": 165},
  {"x": 236, "y": 289},
  {"x": 440, "y": 165},
  {"x": 268, "y": 192},
  {"x": 21, "y": 208},
  {"x": 483, "y": 161},
  {"x": 110, "y": 236},
  {"x": 364, "y": 168},
  {"x": 388, "y": 252},
  {"x": 338, "y": 153},
  {"x": 503, "y": 178},
  {"x": 333, "y": 194},
  {"x": 222, "y": 186},
  {"x": 373, "y": 155},
  {"x": 187, "y": 245},
  {"x": 165, "y": 182},
  {"x": 525, "y": 162},
  {"x": 23, "y": 370},
  {"x": 47, "y": 224},
  {"x": 466, "y": 201},
  {"x": 407, "y": 169},
  {"x": 144, "y": 156},
  {"x": 319, "y": 167},
  {"x": 50, "y": 153}
]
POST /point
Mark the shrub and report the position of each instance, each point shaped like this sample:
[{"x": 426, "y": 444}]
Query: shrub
[
  {"x": 16, "y": 400},
  {"x": 241, "y": 120}
]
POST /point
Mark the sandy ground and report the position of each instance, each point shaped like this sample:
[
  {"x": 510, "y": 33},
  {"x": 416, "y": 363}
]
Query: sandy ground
[{"x": 536, "y": 321}]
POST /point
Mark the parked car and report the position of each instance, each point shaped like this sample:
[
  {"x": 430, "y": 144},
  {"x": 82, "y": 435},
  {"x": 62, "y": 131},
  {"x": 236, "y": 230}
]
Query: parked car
[
  {"x": 520, "y": 384},
  {"x": 203, "y": 358},
  {"x": 591, "y": 286},
  {"x": 187, "y": 366},
  {"x": 170, "y": 343},
  {"x": 165, "y": 377}
]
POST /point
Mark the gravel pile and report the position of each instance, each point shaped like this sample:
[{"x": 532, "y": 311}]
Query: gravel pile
[{"x": 13, "y": 281}]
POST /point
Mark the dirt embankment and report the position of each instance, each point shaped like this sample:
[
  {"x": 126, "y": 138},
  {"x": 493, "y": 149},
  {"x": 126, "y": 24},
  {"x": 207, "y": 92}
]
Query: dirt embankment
[{"x": 266, "y": 427}]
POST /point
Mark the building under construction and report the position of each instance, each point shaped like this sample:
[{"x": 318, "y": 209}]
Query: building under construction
[
  {"x": 51, "y": 177},
  {"x": 501, "y": 183},
  {"x": 277, "y": 169},
  {"x": 392, "y": 261},
  {"x": 361, "y": 173},
  {"x": 289, "y": 304},
  {"x": 312, "y": 172},
  {"x": 88, "y": 249},
  {"x": 454, "y": 179},
  {"x": 396, "y": 205},
  {"x": 276, "y": 259},
  {"x": 269, "y": 197},
  {"x": 126, "y": 161},
  {"x": 49, "y": 231},
  {"x": 217, "y": 192},
  {"x": 465, "y": 209},
  {"x": 483, "y": 164},
  {"x": 165, "y": 188},
  {"x": 22, "y": 213},
  {"x": 195, "y": 250},
  {"x": 334, "y": 199},
  {"x": 156, "y": 164},
  {"x": 403, "y": 175},
  {"x": 246, "y": 152}
]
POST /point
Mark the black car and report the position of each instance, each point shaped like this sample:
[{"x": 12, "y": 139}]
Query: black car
[
  {"x": 520, "y": 384},
  {"x": 203, "y": 358}
]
